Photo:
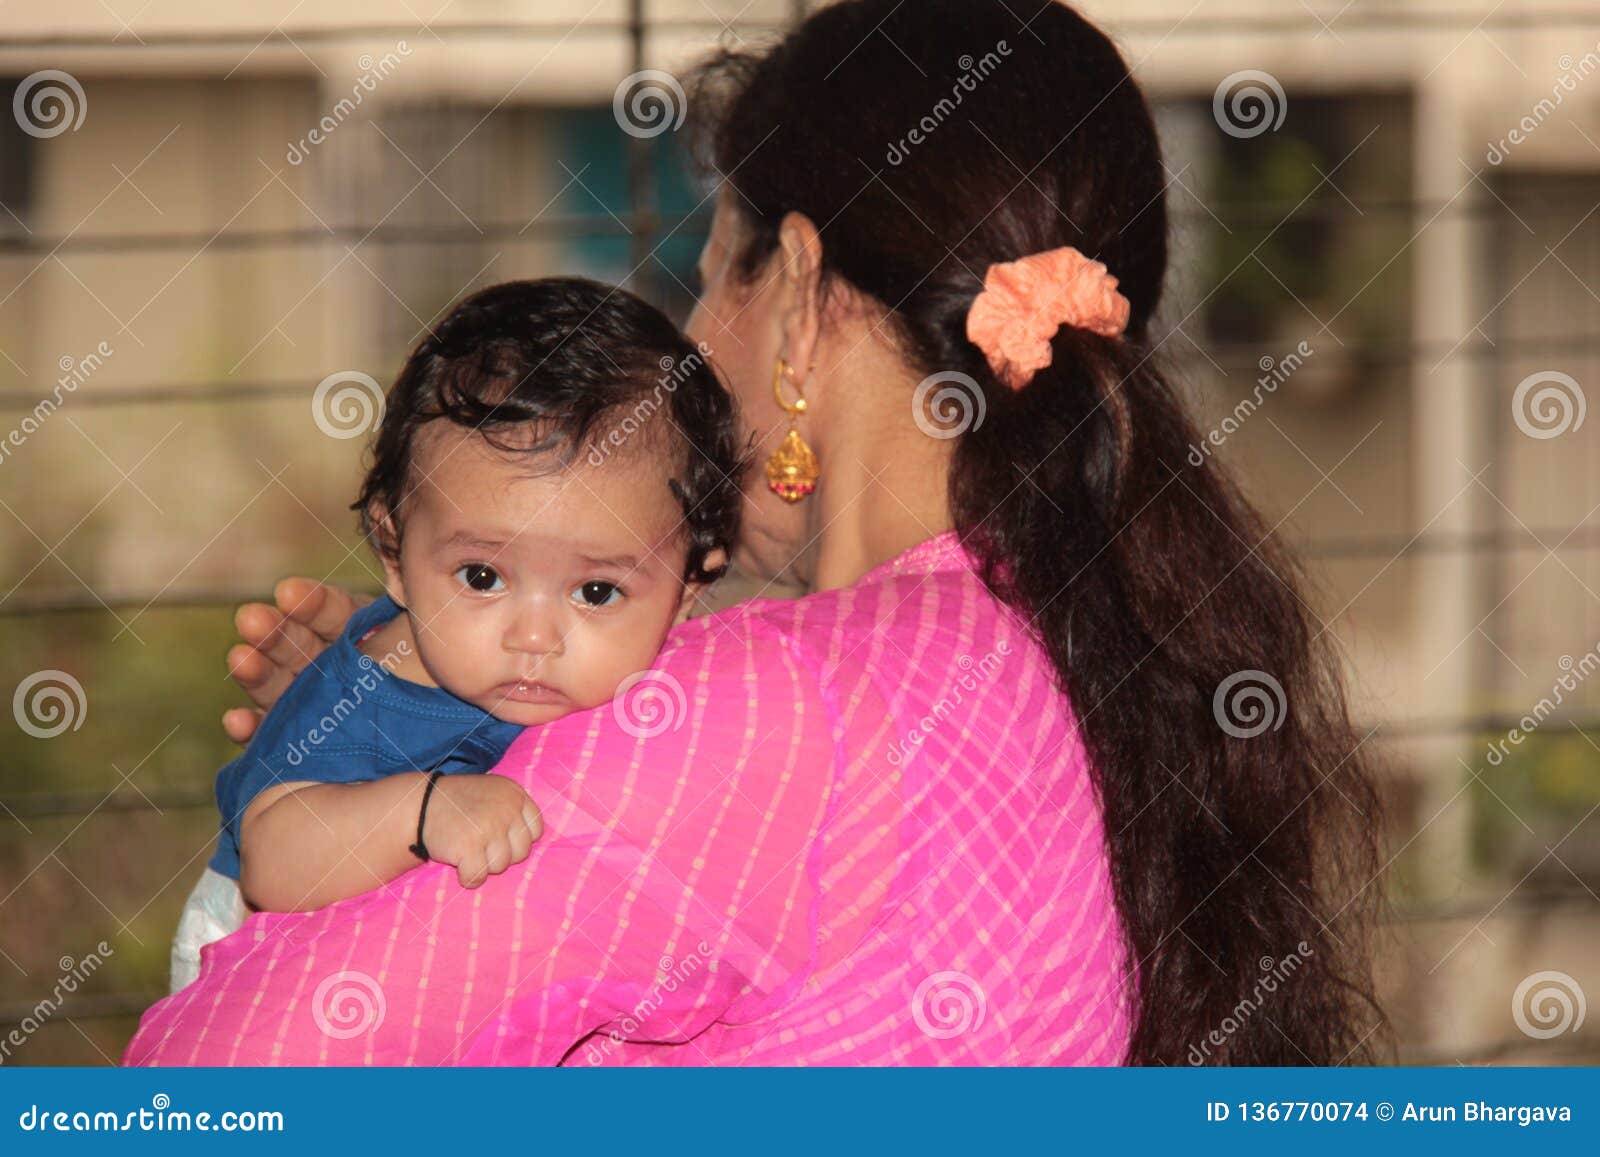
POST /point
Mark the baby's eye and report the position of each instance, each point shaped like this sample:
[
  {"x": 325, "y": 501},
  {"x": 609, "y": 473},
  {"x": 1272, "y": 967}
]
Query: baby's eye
[
  {"x": 480, "y": 577},
  {"x": 596, "y": 593}
]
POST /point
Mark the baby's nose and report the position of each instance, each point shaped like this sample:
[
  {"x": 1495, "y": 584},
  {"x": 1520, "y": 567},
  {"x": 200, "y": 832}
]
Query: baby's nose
[{"x": 535, "y": 630}]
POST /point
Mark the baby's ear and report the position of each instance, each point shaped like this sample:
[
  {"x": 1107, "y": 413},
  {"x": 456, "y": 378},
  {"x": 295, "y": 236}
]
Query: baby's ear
[
  {"x": 716, "y": 558},
  {"x": 692, "y": 591},
  {"x": 386, "y": 542},
  {"x": 687, "y": 602}
]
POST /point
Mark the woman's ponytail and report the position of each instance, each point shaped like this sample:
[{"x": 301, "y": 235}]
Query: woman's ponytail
[{"x": 1232, "y": 782}]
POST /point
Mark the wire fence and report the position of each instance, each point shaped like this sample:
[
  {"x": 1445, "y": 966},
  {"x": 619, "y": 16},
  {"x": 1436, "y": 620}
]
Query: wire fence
[{"x": 644, "y": 227}]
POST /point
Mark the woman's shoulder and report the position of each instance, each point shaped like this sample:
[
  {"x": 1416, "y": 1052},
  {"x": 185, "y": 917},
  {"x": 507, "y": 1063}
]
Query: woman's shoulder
[
  {"x": 927, "y": 594},
  {"x": 926, "y": 600}
]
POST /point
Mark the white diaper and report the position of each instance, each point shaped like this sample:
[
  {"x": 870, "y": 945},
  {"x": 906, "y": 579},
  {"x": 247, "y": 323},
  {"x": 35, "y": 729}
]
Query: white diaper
[{"x": 214, "y": 909}]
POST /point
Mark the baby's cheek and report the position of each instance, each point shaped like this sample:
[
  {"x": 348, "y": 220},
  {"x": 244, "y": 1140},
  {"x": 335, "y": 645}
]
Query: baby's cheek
[
  {"x": 465, "y": 648},
  {"x": 629, "y": 651}
]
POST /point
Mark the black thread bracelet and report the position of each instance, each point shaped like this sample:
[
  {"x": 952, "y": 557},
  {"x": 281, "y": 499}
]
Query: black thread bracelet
[{"x": 420, "y": 849}]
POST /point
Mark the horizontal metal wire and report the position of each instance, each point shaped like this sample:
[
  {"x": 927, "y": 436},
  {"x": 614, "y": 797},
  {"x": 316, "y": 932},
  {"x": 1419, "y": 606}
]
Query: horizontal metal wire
[
  {"x": 231, "y": 392},
  {"x": 1384, "y": 546},
  {"x": 129, "y": 1004},
  {"x": 59, "y": 805},
  {"x": 66, "y": 805},
  {"x": 543, "y": 228},
  {"x": 1234, "y": 355},
  {"x": 1288, "y": 20},
  {"x": 1569, "y": 1049},
  {"x": 88, "y": 1008},
  {"x": 1240, "y": 215}
]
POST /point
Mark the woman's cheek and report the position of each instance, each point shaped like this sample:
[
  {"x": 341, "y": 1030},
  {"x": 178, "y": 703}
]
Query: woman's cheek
[{"x": 732, "y": 355}]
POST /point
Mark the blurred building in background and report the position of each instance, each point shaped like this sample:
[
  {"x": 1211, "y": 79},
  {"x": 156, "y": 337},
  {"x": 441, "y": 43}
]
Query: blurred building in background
[{"x": 219, "y": 224}]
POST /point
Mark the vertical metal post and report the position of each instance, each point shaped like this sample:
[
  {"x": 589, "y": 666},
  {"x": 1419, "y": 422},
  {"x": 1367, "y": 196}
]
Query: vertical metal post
[
  {"x": 1449, "y": 441},
  {"x": 1489, "y": 398},
  {"x": 642, "y": 193}
]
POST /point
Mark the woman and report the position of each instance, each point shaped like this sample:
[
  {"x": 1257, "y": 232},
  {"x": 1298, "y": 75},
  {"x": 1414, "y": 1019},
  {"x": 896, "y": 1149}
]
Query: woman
[{"x": 976, "y": 797}]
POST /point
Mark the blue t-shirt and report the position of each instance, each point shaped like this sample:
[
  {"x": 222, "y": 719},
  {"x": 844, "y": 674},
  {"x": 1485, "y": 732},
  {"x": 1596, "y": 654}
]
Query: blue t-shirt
[{"x": 345, "y": 719}]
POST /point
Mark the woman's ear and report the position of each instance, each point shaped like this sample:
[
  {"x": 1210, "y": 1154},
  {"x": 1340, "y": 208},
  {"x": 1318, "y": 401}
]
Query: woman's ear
[{"x": 800, "y": 251}]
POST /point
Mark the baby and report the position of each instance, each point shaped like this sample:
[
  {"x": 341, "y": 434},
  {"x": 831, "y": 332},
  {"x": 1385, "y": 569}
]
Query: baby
[{"x": 541, "y": 529}]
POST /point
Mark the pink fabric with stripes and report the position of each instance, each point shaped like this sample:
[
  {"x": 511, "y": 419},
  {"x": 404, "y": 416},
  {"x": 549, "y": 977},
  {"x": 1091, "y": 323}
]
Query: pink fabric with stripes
[{"x": 854, "y": 828}]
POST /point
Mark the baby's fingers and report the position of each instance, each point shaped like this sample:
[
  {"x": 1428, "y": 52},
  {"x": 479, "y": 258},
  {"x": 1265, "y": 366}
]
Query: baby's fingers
[
  {"x": 532, "y": 818},
  {"x": 472, "y": 870},
  {"x": 520, "y": 840}
]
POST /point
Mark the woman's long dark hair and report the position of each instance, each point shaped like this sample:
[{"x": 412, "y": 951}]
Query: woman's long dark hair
[{"x": 927, "y": 141}]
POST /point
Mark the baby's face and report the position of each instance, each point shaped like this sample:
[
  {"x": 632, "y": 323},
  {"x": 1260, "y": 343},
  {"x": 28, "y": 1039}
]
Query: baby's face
[{"x": 565, "y": 583}]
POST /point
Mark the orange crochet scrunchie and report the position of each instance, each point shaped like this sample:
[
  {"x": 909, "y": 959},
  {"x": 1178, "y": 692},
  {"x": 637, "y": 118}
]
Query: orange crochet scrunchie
[{"x": 1024, "y": 302}]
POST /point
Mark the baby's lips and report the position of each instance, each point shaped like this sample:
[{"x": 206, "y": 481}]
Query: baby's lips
[{"x": 529, "y": 691}]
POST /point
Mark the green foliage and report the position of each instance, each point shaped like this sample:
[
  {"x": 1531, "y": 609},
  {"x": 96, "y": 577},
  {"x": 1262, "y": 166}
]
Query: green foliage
[{"x": 1548, "y": 783}]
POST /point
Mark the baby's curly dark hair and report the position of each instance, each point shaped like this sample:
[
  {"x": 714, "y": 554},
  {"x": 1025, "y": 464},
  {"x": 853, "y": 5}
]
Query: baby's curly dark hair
[{"x": 586, "y": 366}]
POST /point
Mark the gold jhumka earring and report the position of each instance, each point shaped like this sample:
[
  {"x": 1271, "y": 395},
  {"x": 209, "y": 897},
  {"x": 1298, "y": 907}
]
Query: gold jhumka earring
[{"x": 792, "y": 469}]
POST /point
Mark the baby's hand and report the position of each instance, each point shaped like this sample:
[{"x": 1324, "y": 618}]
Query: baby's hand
[{"x": 482, "y": 824}]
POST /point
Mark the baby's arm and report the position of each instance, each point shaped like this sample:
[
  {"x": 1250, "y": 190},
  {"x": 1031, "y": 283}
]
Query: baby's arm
[{"x": 304, "y": 845}]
